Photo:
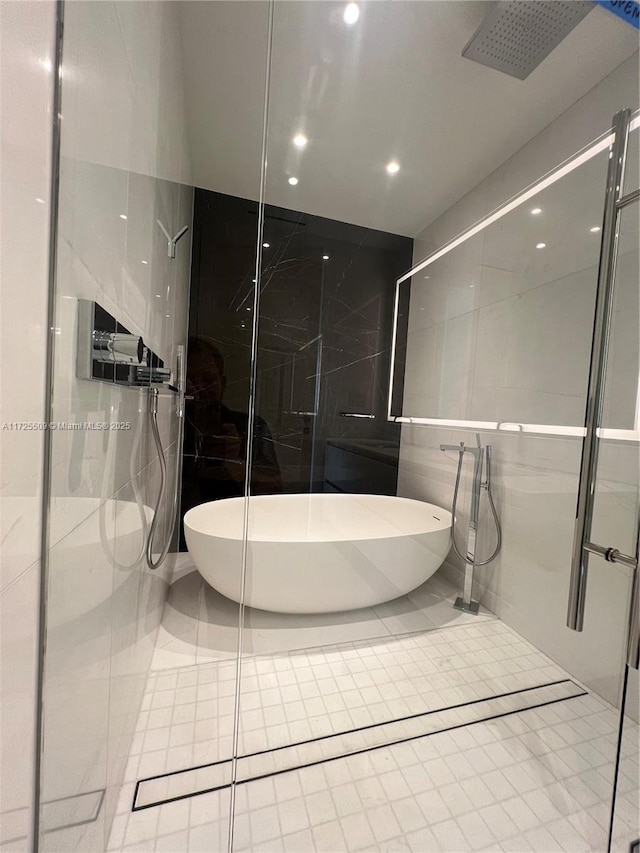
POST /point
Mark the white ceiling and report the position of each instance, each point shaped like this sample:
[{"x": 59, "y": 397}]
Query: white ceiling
[{"x": 393, "y": 86}]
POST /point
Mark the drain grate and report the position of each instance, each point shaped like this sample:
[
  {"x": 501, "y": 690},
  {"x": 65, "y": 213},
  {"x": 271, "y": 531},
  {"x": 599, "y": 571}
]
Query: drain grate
[
  {"x": 518, "y": 34},
  {"x": 203, "y": 779}
]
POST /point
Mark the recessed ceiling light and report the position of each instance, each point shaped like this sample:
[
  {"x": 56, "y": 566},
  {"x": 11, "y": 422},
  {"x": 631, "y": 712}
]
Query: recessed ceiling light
[
  {"x": 266, "y": 245},
  {"x": 536, "y": 211},
  {"x": 540, "y": 245},
  {"x": 248, "y": 309},
  {"x": 325, "y": 257},
  {"x": 40, "y": 200},
  {"x": 157, "y": 296},
  {"x": 393, "y": 167},
  {"x": 351, "y": 13},
  {"x": 144, "y": 262},
  {"x": 595, "y": 229},
  {"x": 123, "y": 216},
  {"x": 300, "y": 140},
  {"x": 293, "y": 181},
  {"x": 167, "y": 315}
]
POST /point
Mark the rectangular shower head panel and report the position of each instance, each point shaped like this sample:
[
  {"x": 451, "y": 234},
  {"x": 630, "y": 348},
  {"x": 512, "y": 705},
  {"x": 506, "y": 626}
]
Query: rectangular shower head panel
[{"x": 517, "y": 35}]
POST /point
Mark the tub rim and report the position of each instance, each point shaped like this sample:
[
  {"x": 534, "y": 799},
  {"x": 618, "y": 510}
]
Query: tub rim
[{"x": 443, "y": 524}]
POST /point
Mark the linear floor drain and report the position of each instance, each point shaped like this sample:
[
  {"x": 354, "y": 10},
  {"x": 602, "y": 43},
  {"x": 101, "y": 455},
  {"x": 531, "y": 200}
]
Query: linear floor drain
[{"x": 204, "y": 779}]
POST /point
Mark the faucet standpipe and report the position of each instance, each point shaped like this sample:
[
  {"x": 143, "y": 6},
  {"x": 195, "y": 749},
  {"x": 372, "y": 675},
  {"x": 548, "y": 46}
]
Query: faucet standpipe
[{"x": 466, "y": 602}]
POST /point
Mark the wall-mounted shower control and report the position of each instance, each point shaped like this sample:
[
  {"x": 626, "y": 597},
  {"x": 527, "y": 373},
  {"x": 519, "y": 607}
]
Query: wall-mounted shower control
[
  {"x": 109, "y": 352},
  {"x": 153, "y": 376},
  {"x": 118, "y": 348}
]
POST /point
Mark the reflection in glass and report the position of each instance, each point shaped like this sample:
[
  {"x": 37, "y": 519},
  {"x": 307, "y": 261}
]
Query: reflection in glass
[{"x": 499, "y": 330}]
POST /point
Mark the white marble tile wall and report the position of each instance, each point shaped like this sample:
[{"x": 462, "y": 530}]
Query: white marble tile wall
[
  {"x": 26, "y": 91},
  {"x": 500, "y": 331},
  {"x": 124, "y": 164}
]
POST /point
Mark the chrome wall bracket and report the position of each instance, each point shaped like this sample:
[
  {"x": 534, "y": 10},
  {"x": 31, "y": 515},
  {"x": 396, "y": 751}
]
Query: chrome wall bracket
[{"x": 611, "y": 555}]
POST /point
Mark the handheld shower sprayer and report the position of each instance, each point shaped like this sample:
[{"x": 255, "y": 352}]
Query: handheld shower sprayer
[
  {"x": 108, "y": 352},
  {"x": 487, "y": 467},
  {"x": 469, "y": 559}
]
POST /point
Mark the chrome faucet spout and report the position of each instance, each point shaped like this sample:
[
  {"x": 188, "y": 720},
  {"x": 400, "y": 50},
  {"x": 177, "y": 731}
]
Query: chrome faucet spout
[{"x": 462, "y": 448}]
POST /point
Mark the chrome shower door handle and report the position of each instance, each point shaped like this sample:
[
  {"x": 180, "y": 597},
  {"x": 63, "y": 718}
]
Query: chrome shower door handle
[
  {"x": 582, "y": 546},
  {"x": 633, "y": 640}
]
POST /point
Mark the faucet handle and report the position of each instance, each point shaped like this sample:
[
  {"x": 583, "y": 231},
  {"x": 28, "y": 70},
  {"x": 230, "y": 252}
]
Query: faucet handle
[{"x": 118, "y": 348}]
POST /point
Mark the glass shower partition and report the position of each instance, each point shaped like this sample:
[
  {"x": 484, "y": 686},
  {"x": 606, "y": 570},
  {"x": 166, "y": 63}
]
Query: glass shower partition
[
  {"x": 342, "y": 712},
  {"x": 344, "y": 726},
  {"x": 616, "y": 488},
  {"x": 549, "y": 354},
  {"x": 130, "y": 704}
]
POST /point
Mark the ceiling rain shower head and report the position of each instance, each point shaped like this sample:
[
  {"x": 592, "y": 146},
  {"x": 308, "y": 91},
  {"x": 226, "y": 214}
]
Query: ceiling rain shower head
[{"x": 517, "y": 35}]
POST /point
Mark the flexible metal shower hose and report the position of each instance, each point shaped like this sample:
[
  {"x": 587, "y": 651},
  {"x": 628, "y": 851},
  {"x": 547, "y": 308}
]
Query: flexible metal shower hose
[
  {"x": 453, "y": 522},
  {"x": 153, "y": 411}
]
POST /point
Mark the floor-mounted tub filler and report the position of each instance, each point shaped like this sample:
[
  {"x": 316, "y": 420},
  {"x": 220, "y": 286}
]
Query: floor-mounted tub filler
[{"x": 318, "y": 553}]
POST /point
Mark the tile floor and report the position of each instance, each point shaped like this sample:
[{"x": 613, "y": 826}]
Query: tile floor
[
  {"x": 199, "y": 625},
  {"x": 285, "y": 758},
  {"x": 537, "y": 780}
]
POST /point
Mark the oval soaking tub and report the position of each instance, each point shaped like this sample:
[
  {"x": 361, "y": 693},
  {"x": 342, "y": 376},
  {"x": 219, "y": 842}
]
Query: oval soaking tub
[{"x": 318, "y": 553}]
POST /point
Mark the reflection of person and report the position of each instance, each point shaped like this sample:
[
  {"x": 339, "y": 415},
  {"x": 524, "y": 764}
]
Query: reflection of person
[{"x": 215, "y": 437}]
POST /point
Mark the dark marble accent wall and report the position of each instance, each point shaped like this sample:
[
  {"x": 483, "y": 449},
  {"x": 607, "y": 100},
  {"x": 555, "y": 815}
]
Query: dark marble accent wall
[{"x": 324, "y": 336}]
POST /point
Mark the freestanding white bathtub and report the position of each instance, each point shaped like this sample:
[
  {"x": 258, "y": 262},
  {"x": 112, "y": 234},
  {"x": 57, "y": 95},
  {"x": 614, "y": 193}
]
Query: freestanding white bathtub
[{"x": 318, "y": 553}]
